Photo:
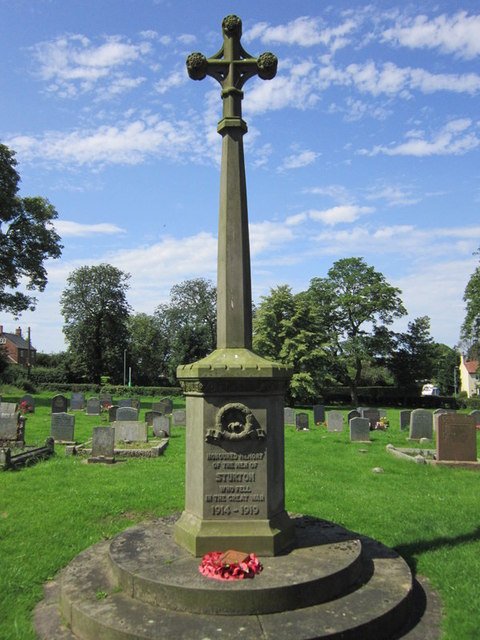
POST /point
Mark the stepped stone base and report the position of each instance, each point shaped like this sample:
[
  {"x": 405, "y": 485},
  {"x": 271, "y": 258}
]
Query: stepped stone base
[{"x": 333, "y": 584}]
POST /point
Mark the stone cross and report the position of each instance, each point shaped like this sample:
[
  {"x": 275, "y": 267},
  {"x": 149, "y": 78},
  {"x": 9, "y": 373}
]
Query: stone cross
[{"x": 232, "y": 66}]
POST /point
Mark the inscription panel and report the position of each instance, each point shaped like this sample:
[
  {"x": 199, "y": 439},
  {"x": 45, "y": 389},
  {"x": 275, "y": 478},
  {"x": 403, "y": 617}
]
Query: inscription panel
[{"x": 236, "y": 485}]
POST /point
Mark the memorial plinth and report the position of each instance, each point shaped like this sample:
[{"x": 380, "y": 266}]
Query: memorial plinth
[{"x": 235, "y": 479}]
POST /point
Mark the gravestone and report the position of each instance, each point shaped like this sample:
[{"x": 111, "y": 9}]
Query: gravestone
[
  {"x": 353, "y": 414},
  {"x": 112, "y": 413},
  {"x": 106, "y": 399},
  {"x": 158, "y": 407},
  {"x": 30, "y": 403},
  {"x": 103, "y": 444},
  {"x": 8, "y": 408},
  {"x": 302, "y": 421},
  {"x": 136, "y": 404},
  {"x": 161, "y": 426},
  {"x": 476, "y": 415},
  {"x": 289, "y": 415},
  {"x": 456, "y": 438},
  {"x": 77, "y": 401},
  {"x": 59, "y": 404},
  {"x": 421, "y": 424},
  {"x": 372, "y": 415},
  {"x": 318, "y": 414},
  {"x": 179, "y": 418},
  {"x": 125, "y": 402},
  {"x": 93, "y": 407},
  {"x": 126, "y": 413},
  {"x": 166, "y": 406},
  {"x": 334, "y": 421},
  {"x": 404, "y": 419},
  {"x": 436, "y": 414},
  {"x": 149, "y": 415},
  {"x": 9, "y": 423},
  {"x": 130, "y": 431},
  {"x": 62, "y": 427},
  {"x": 360, "y": 430}
]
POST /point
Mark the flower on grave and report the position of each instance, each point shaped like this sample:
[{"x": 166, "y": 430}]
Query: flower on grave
[
  {"x": 25, "y": 407},
  {"x": 106, "y": 406},
  {"x": 382, "y": 424},
  {"x": 218, "y": 566}
]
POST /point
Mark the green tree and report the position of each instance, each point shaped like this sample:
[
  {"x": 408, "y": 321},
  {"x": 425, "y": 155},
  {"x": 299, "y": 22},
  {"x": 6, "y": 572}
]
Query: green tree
[
  {"x": 446, "y": 369},
  {"x": 147, "y": 349},
  {"x": 413, "y": 361},
  {"x": 286, "y": 330},
  {"x": 96, "y": 312},
  {"x": 471, "y": 325},
  {"x": 27, "y": 239},
  {"x": 189, "y": 322},
  {"x": 355, "y": 304}
]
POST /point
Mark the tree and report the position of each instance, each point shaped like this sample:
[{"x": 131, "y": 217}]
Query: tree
[
  {"x": 471, "y": 325},
  {"x": 447, "y": 369},
  {"x": 285, "y": 329},
  {"x": 189, "y": 321},
  {"x": 147, "y": 349},
  {"x": 96, "y": 313},
  {"x": 413, "y": 362},
  {"x": 27, "y": 239},
  {"x": 355, "y": 304}
]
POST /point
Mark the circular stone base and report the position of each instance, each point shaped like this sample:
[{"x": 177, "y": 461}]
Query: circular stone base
[{"x": 335, "y": 584}]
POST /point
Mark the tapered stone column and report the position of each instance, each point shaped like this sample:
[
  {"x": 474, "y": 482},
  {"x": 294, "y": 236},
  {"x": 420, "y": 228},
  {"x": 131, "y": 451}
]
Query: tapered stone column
[{"x": 235, "y": 473}]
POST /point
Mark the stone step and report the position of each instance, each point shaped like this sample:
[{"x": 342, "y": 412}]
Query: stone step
[{"x": 377, "y": 607}]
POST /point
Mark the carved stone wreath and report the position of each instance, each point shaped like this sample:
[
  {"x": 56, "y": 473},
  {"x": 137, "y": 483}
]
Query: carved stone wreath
[{"x": 234, "y": 421}]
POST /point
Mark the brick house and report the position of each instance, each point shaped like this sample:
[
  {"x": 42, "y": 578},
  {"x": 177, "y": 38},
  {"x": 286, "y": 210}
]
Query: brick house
[
  {"x": 16, "y": 347},
  {"x": 470, "y": 377}
]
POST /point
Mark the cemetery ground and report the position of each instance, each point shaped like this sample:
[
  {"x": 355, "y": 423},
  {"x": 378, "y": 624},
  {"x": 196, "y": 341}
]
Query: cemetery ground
[{"x": 51, "y": 511}]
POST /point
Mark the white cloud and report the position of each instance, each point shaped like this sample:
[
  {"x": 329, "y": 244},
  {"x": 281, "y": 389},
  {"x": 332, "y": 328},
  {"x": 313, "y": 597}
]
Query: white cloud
[
  {"x": 293, "y": 221},
  {"x": 127, "y": 143},
  {"x": 69, "y": 228},
  {"x": 339, "y": 214},
  {"x": 298, "y": 160},
  {"x": 455, "y": 138},
  {"x": 72, "y": 65},
  {"x": 268, "y": 235},
  {"x": 393, "y": 195},
  {"x": 458, "y": 34},
  {"x": 175, "y": 79}
]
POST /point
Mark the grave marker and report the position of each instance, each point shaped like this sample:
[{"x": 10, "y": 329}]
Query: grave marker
[
  {"x": 62, "y": 427},
  {"x": 404, "y": 419},
  {"x": 149, "y": 415},
  {"x": 125, "y": 402},
  {"x": 30, "y": 403},
  {"x": 334, "y": 421},
  {"x": 456, "y": 438},
  {"x": 126, "y": 414},
  {"x": 77, "y": 401},
  {"x": 179, "y": 418},
  {"x": 59, "y": 404},
  {"x": 93, "y": 407},
  {"x": 360, "y": 430},
  {"x": 130, "y": 431},
  {"x": 161, "y": 426},
  {"x": 289, "y": 415},
  {"x": 112, "y": 413},
  {"x": 421, "y": 424},
  {"x": 103, "y": 444},
  {"x": 302, "y": 421},
  {"x": 318, "y": 414}
]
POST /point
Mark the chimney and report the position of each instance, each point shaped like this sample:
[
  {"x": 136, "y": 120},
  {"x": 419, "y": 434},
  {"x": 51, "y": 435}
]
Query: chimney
[{"x": 18, "y": 332}]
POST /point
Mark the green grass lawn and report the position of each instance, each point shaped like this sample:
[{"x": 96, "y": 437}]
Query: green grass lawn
[{"x": 51, "y": 511}]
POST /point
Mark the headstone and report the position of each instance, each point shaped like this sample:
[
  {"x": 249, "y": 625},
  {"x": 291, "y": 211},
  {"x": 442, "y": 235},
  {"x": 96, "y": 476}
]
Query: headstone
[
  {"x": 93, "y": 407},
  {"x": 149, "y": 416},
  {"x": 125, "y": 402},
  {"x": 334, "y": 421},
  {"x": 8, "y": 408},
  {"x": 103, "y": 444},
  {"x": 404, "y": 419},
  {"x": 161, "y": 426},
  {"x": 436, "y": 414},
  {"x": 136, "y": 404},
  {"x": 352, "y": 414},
  {"x": 421, "y": 424},
  {"x": 8, "y": 426},
  {"x": 476, "y": 414},
  {"x": 59, "y": 404},
  {"x": 359, "y": 429},
  {"x": 289, "y": 415},
  {"x": 112, "y": 413},
  {"x": 29, "y": 403},
  {"x": 318, "y": 414},
  {"x": 166, "y": 406},
  {"x": 158, "y": 407},
  {"x": 179, "y": 417},
  {"x": 373, "y": 415},
  {"x": 301, "y": 422},
  {"x": 62, "y": 427},
  {"x": 130, "y": 431},
  {"x": 106, "y": 399},
  {"x": 126, "y": 413},
  {"x": 77, "y": 401},
  {"x": 456, "y": 438}
]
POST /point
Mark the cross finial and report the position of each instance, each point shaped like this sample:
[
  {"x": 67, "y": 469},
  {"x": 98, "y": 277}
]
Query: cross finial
[{"x": 232, "y": 66}]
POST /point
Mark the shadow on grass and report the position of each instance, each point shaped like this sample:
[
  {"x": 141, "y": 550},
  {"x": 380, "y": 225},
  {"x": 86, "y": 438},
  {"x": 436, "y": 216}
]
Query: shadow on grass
[{"x": 412, "y": 550}]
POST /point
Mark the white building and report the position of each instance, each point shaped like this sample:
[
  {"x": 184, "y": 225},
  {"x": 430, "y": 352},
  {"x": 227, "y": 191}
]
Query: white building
[{"x": 469, "y": 377}]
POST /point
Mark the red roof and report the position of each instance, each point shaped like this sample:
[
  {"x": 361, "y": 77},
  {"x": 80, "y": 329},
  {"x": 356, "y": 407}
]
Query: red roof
[{"x": 471, "y": 366}]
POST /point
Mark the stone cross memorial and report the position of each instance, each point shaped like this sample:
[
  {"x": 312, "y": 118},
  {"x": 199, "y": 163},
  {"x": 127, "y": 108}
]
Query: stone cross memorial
[{"x": 235, "y": 471}]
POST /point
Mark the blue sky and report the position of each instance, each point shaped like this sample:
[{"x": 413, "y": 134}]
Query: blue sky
[{"x": 365, "y": 144}]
